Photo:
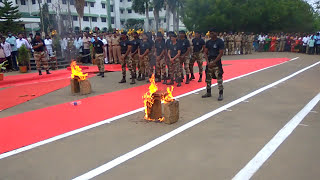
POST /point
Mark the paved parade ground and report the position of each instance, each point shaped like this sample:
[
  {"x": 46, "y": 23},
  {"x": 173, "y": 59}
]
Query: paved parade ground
[{"x": 265, "y": 128}]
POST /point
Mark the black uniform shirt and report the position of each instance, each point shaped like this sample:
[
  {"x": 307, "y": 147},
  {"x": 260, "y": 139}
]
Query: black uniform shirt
[
  {"x": 124, "y": 46},
  {"x": 168, "y": 43},
  {"x": 35, "y": 43},
  {"x": 160, "y": 46},
  {"x": 98, "y": 46},
  {"x": 144, "y": 46},
  {"x": 184, "y": 45},
  {"x": 135, "y": 44},
  {"x": 174, "y": 48},
  {"x": 197, "y": 44},
  {"x": 213, "y": 47}
]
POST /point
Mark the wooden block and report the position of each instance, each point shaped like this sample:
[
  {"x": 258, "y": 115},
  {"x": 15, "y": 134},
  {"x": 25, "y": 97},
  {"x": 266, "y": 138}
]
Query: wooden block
[
  {"x": 85, "y": 87},
  {"x": 156, "y": 109},
  {"x": 75, "y": 87},
  {"x": 171, "y": 112}
]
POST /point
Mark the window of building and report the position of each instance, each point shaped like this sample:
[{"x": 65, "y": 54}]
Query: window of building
[
  {"x": 64, "y": 1},
  {"x": 112, "y": 20},
  {"x": 71, "y": 2},
  {"x": 92, "y": 4},
  {"x": 103, "y": 6},
  {"x": 64, "y": 17},
  {"x": 23, "y": 2},
  {"x": 33, "y": 1},
  {"x": 111, "y": 8},
  {"x": 165, "y": 20},
  {"x": 129, "y": 11},
  {"x": 129, "y": 0},
  {"x": 121, "y": 11},
  {"x": 48, "y": 1},
  {"x": 85, "y": 18},
  {"x": 151, "y": 9},
  {"x": 94, "y": 19},
  {"x": 85, "y": 4},
  {"x": 103, "y": 19},
  {"x": 75, "y": 18},
  {"x": 122, "y": 22}
]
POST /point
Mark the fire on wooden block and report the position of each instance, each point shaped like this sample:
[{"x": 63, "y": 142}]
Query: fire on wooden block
[
  {"x": 79, "y": 82},
  {"x": 160, "y": 105}
]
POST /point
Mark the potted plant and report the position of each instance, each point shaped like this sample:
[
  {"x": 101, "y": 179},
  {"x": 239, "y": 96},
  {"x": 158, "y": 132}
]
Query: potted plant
[
  {"x": 2, "y": 68},
  {"x": 23, "y": 58}
]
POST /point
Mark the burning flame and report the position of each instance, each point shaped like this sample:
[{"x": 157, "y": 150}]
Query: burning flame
[
  {"x": 76, "y": 72},
  {"x": 148, "y": 98}
]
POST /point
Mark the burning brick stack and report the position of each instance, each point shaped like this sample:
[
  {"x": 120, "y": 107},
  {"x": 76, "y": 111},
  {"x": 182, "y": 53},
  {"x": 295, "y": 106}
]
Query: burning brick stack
[
  {"x": 79, "y": 82},
  {"x": 160, "y": 105}
]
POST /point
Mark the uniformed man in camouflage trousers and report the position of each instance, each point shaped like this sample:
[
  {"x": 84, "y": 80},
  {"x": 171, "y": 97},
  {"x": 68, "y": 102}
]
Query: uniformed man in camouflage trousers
[
  {"x": 100, "y": 54},
  {"x": 40, "y": 53},
  {"x": 143, "y": 51},
  {"x": 160, "y": 53},
  {"x": 250, "y": 43},
  {"x": 174, "y": 52},
  {"x": 168, "y": 44},
  {"x": 230, "y": 44},
  {"x": 125, "y": 49},
  {"x": 213, "y": 53},
  {"x": 238, "y": 40},
  {"x": 133, "y": 56},
  {"x": 185, "y": 54},
  {"x": 225, "y": 40},
  {"x": 244, "y": 42},
  {"x": 197, "y": 55}
]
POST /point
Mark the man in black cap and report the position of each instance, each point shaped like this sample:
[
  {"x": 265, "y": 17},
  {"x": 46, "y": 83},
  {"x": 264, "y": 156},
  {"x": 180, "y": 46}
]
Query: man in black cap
[
  {"x": 160, "y": 58},
  {"x": 99, "y": 52},
  {"x": 213, "y": 53},
  {"x": 125, "y": 49},
  {"x": 197, "y": 55},
  {"x": 185, "y": 54},
  {"x": 143, "y": 51},
  {"x": 40, "y": 53},
  {"x": 174, "y": 52}
]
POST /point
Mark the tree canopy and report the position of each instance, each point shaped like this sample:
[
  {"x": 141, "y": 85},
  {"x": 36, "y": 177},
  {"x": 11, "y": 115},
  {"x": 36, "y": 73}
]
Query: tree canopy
[
  {"x": 9, "y": 16},
  {"x": 249, "y": 15}
]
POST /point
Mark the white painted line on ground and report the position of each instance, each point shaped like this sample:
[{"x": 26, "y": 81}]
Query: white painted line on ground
[
  {"x": 303, "y": 125},
  {"x": 109, "y": 165},
  {"x": 246, "y": 101},
  {"x": 294, "y": 59},
  {"x": 229, "y": 110},
  {"x": 108, "y": 121},
  {"x": 248, "y": 171}
]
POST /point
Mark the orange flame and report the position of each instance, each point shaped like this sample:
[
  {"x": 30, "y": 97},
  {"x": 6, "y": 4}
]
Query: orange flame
[
  {"x": 76, "y": 71},
  {"x": 148, "y": 99}
]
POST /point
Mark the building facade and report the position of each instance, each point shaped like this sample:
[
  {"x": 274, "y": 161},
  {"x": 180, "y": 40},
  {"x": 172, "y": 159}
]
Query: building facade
[{"x": 97, "y": 13}]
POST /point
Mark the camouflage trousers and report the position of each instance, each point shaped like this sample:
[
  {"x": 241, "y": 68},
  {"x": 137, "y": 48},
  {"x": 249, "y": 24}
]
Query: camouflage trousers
[
  {"x": 41, "y": 58},
  {"x": 175, "y": 69},
  {"x": 134, "y": 63},
  {"x": 185, "y": 62},
  {"x": 214, "y": 71},
  {"x": 197, "y": 57},
  {"x": 100, "y": 62},
  {"x": 230, "y": 48},
  {"x": 124, "y": 63},
  {"x": 145, "y": 66},
  {"x": 249, "y": 47},
  {"x": 161, "y": 66}
]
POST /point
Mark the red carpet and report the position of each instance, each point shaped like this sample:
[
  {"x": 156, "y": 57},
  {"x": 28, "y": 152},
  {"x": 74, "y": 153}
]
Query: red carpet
[{"x": 31, "y": 127}]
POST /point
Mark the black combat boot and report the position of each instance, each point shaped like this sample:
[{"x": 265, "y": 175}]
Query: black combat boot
[
  {"x": 208, "y": 94},
  {"x": 171, "y": 82},
  {"x": 188, "y": 80},
  {"x": 139, "y": 77},
  {"x": 48, "y": 72},
  {"x": 220, "y": 98},
  {"x": 158, "y": 79},
  {"x": 123, "y": 80},
  {"x": 143, "y": 77},
  {"x": 40, "y": 73},
  {"x": 102, "y": 74},
  {"x": 192, "y": 76},
  {"x": 179, "y": 82},
  {"x": 164, "y": 80},
  {"x": 200, "y": 78}
]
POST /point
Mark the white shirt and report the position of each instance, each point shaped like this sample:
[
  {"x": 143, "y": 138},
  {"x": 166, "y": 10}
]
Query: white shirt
[
  {"x": 78, "y": 43},
  {"x": 305, "y": 40},
  {"x": 22, "y": 41},
  {"x": 7, "y": 49},
  {"x": 105, "y": 42},
  {"x": 48, "y": 43}
]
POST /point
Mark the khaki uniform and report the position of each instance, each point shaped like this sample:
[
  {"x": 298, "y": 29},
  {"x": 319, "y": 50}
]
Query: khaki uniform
[
  {"x": 231, "y": 39},
  {"x": 100, "y": 62},
  {"x": 110, "y": 50},
  {"x": 238, "y": 40},
  {"x": 41, "y": 58},
  {"x": 226, "y": 39},
  {"x": 250, "y": 44},
  {"x": 116, "y": 49},
  {"x": 244, "y": 42}
]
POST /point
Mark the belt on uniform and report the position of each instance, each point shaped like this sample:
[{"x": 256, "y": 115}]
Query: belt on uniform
[
  {"x": 115, "y": 45},
  {"x": 211, "y": 58}
]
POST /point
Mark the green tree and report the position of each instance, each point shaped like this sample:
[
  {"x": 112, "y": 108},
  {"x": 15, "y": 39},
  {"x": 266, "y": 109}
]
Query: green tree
[
  {"x": 134, "y": 24},
  {"x": 79, "y": 4},
  {"x": 157, "y": 6},
  {"x": 142, "y": 7},
  {"x": 10, "y": 16}
]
